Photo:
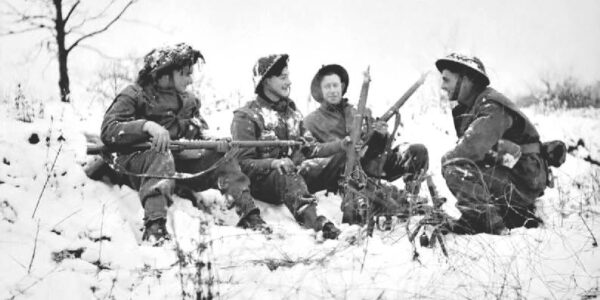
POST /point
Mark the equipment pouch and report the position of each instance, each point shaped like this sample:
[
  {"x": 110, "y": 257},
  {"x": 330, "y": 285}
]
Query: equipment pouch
[{"x": 554, "y": 152}]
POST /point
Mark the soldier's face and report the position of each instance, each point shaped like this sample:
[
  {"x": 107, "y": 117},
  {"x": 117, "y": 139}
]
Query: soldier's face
[
  {"x": 449, "y": 81},
  {"x": 182, "y": 78},
  {"x": 331, "y": 88},
  {"x": 279, "y": 86}
]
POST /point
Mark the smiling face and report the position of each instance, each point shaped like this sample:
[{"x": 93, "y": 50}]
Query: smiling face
[
  {"x": 277, "y": 87},
  {"x": 331, "y": 88},
  {"x": 449, "y": 80}
]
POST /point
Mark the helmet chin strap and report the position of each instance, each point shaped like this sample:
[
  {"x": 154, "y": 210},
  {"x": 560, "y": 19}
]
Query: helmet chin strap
[{"x": 457, "y": 88}]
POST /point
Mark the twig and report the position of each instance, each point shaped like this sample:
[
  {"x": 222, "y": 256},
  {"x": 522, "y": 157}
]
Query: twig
[
  {"x": 595, "y": 242},
  {"x": 34, "y": 247},
  {"x": 101, "y": 234},
  {"x": 46, "y": 183},
  {"x": 65, "y": 218}
]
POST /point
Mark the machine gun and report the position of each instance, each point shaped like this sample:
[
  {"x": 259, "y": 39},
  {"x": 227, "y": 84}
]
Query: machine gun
[{"x": 367, "y": 200}]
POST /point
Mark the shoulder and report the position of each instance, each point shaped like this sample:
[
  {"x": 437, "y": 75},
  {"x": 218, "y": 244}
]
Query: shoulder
[
  {"x": 249, "y": 110},
  {"x": 492, "y": 96},
  {"x": 131, "y": 91}
]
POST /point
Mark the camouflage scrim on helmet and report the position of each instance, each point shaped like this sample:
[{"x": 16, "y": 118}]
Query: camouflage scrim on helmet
[
  {"x": 263, "y": 66},
  {"x": 470, "y": 63},
  {"x": 170, "y": 57}
]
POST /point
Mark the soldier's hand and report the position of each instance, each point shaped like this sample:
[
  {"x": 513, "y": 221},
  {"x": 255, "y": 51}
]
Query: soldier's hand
[
  {"x": 381, "y": 127},
  {"x": 222, "y": 146},
  {"x": 159, "y": 136},
  {"x": 283, "y": 165}
]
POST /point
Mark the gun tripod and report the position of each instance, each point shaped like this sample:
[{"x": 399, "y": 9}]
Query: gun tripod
[{"x": 435, "y": 217}]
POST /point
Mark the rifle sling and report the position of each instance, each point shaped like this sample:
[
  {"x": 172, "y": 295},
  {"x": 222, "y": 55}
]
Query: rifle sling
[{"x": 175, "y": 176}]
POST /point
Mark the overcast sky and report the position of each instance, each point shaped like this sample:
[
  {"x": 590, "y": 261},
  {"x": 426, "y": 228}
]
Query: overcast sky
[{"x": 518, "y": 41}]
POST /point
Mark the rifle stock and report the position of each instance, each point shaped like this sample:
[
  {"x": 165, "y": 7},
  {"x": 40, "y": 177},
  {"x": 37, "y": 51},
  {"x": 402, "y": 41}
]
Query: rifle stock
[
  {"x": 390, "y": 112},
  {"x": 183, "y": 145}
]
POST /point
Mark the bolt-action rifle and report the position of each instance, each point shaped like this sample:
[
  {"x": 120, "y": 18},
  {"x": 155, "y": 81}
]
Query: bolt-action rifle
[{"x": 192, "y": 144}]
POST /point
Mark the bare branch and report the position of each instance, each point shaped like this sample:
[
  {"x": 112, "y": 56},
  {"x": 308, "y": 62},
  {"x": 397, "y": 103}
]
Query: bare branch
[
  {"x": 13, "y": 32},
  {"x": 99, "y": 52},
  {"x": 91, "y": 34},
  {"x": 102, "y": 12},
  {"x": 71, "y": 11}
]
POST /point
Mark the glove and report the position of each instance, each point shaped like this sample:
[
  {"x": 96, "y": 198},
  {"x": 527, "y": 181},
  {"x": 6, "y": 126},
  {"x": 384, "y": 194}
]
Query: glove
[
  {"x": 380, "y": 127},
  {"x": 413, "y": 161}
]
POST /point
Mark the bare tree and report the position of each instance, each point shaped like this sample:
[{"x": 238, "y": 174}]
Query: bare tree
[{"x": 68, "y": 22}]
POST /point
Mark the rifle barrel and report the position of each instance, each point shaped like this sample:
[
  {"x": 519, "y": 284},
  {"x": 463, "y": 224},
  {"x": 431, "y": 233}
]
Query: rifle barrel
[
  {"x": 182, "y": 145},
  {"x": 388, "y": 114}
]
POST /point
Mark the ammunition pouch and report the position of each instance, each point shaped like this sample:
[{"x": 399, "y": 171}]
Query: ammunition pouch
[{"x": 554, "y": 152}]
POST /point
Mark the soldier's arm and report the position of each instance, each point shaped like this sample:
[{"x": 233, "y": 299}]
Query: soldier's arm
[
  {"x": 376, "y": 137},
  {"x": 320, "y": 148},
  {"x": 244, "y": 129},
  {"x": 483, "y": 133},
  {"x": 120, "y": 126},
  {"x": 191, "y": 124}
]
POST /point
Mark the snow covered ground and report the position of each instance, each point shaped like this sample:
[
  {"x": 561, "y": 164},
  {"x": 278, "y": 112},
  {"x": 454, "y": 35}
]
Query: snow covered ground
[{"x": 64, "y": 236}]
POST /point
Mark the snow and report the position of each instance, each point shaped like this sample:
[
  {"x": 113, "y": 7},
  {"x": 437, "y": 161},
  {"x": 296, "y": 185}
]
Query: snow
[{"x": 83, "y": 240}]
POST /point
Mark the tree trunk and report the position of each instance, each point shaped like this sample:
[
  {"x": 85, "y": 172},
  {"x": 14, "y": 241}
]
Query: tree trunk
[{"x": 63, "y": 54}]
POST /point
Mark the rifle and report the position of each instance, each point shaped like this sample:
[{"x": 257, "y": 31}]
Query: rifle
[
  {"x": 193, "y": 144},
  {"x": 394, "y": 109},
  {"x": 352, "y": 178}
]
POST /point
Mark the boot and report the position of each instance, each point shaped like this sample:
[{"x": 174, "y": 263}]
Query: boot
[
  {"x": 328, "y": 228},
  {"x": 155, "y": 232},
  {"x": 330, "y": 231},
  {"x": 255, "y": 222}
]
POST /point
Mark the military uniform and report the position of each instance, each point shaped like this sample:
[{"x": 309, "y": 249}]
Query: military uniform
[
  {"x": 179, "y": 114},
  {"x": 262, "y": 119},
  {"x": 493, "y": 193},
  {"x": 152, "y": 172},
  {"x": 334, "y": 122}
]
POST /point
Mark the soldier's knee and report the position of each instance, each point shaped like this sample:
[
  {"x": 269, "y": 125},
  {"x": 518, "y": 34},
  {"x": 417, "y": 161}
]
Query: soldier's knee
[
  {"x": 419, "y": 150},
  {"x": 160, "y": 160},
  {"x": 233, "y": 184}
]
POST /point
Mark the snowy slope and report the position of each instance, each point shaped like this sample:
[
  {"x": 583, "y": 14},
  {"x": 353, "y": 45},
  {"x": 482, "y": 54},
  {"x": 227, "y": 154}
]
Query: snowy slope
[{"x": 83, "y": 241}]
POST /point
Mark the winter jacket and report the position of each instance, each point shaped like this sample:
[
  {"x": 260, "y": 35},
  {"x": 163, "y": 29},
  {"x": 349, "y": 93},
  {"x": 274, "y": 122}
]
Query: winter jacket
[
  {"x": 262, "y": 119},
  {"x": 492, "y": 117},
  {"x": 331, "y": 122},
  {"x": 177, "y": 112}
]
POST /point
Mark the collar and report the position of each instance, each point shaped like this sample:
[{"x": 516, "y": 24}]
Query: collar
[
  {"x": 280, "y": 106},
  {"x": 470, "y": 99},
  {"x": 335, "y": 107}
]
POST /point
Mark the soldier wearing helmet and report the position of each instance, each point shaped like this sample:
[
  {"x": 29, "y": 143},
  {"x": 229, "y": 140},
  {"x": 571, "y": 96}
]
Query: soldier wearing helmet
[
  {"x": 333, "y": 121},
  {"x": 159, "y": 109},
  {"x": 496, "y": 170},
  {"x": 273, "y": 115}
]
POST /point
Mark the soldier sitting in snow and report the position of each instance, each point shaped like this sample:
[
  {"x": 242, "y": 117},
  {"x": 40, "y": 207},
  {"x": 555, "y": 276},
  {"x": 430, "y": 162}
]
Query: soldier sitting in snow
[
  {"x": 158, "y": 108},
  {"x": 498, "y": 167},
  {"x": 272, "y": 115},
  {"x": 333, "y": 121}
]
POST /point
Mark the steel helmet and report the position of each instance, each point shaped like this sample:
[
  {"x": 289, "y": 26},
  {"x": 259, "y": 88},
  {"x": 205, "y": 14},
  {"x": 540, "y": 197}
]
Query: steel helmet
[
  {"x": 471, "y": 65},
  {"x": 315, "y": 85}
]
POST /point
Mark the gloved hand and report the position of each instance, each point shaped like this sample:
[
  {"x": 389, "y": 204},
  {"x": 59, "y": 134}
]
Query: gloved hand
[
  {"x": 380, "y": 127},
  {"x": 413, "y": 161}
]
